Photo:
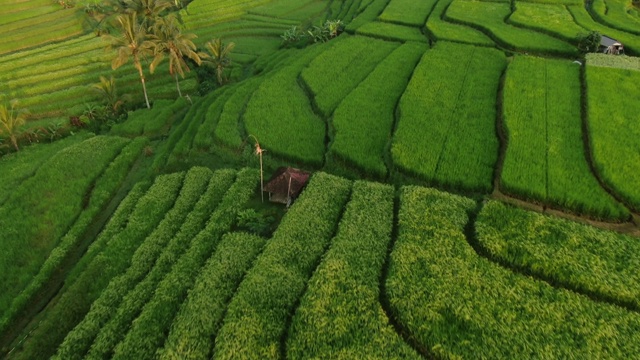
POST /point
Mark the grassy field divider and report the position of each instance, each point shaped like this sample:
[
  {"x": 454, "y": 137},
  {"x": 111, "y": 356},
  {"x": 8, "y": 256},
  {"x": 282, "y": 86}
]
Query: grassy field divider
[
  {"x": 133, "y": 301},
  {"x": 150, "y": 328},
  {"x": 103, "y": 190},
  {"x": 78, "y": 341},
  {"x": 340, "y": 314},
  {"x": 257, "y": 316},
  {"x": 112, "y": 261},
  {"x": 200, "y": 317}
]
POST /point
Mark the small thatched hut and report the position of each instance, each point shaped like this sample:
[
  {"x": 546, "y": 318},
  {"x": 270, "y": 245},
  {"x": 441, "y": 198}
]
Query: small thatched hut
[
  {"x": 611, "y": 46},
  {"x": 286, "y": 184}
]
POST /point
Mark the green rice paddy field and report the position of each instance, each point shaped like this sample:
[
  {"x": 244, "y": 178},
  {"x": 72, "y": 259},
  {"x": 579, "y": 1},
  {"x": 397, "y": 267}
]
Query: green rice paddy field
[{"x": 473, "y": 186}]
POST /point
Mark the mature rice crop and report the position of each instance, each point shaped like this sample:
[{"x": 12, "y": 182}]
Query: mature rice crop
[
  {"x": 205, "y": 121},
  {"x": 598, "y": 262},
  {"x": 407, "y": 12},
  {"x": 340, "y": 315},
  {"x": 391, "y": 32},
  {"x": 444, "y": 30},
  {"x": 460, "y": 305},
  {"x": 618, "y": 62},
  {"x": 124, "y": 237},
  {"x": 545, "y": 159},
  {"x": 40, "y": 210},
  {"x": 148, "y": 331},
  {"x": 619, "y": 14},
  {"x": 369, "y": 11},
  {"x": 364, "y": 120},
  {"x": 490, "y": 18},
  {"x": 228, "y": 128},
  {"x": 446, "y": 130},
  {"x": 553, "y": 19},
  {"x": 614, "y": 129},
  {"x": 337, "y": 71},
  {"x": 257, "y": 316}
]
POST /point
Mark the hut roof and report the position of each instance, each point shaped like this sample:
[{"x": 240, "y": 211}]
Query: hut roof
[
  {"x": 279, "y": 181},
  {"x": 607, "y": 41}
]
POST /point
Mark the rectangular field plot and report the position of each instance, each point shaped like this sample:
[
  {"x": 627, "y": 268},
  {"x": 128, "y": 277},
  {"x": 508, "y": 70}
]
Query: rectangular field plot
[
  {"x": 614, "y": 129},
  {"x": 408, "y": 12},
  {"x": 392, "y": 32},
  {"x": 545, "y": 159},
  {"x": 336, "y": 72},
  {"x": 364, "y": 120},
  {"x": 446, "y": 130},
  {"x": 552, "y": 19},
  {"x": 490, "y": 17}
]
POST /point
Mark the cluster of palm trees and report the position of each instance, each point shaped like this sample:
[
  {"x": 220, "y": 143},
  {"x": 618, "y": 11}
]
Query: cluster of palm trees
[
  {"x": 150, "y": 29},
  {"x": 11, "y": 118}
]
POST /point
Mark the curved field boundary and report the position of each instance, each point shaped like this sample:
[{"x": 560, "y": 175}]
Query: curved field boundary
[
  {"x": 440, "y": 29},
  {"x": 340, "y": 314},
  {"x": 581, "y": 258},
  {"x": 459, "y": 304},
  {"x": 258, "y": 316}
]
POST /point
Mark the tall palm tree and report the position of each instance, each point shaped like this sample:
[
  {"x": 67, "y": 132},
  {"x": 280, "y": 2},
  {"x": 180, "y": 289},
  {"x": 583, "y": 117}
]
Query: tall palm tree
[
  {"x": 132, "y": 42},
  {"x": 10, "y": 120},
  {"x": 220, "y": 57},
  {"x": 148, "y": 10},
  {"x": 168, "y": 40}
]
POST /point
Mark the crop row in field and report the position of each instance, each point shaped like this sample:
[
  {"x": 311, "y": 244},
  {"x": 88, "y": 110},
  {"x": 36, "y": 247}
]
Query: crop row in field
[
  {"x": 257, "y": 316},
  {"x": 446, "y": 130},
  {"x": 77, "y": 342},
  {"x": 294, "y": 131},
  {"x": 578, "y": 256},
  {"x": 618, "y": 14},
  {"x": 110, "y": 334},
  {"x": 545, "y": 157},
  {"x": 340, "y": 315},
  {"x": 117, "y": 243},
  {"x": 364, "y": 120},
  {"x": 369, "y": 11},
  {"x": 407, "y": 12},
  {"x": 583, "y": 18},
  {"x": 104, "y": 188},
  {"x": 460, "y": 305},
  {"x": 333, "y": 74},
  {"x": 440, "y": 29},
  {"x": 617, "y": 62},
  {"x": 150, "y": 122},
  {"x": 228, "y": 130},
  {"x": 391, "y": 32},
  {"x": 614, "y": 129},
  {"x": 147, "y": 332},
  {"x": 40, "y": 210},
  {"x": 490, "y": 18},
  {"x": 205, "y": 121}
]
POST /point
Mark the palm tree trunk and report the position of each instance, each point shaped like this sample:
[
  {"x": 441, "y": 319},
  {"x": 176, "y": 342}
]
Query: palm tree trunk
[
  {"x": 178, "y": 85},
  {"x": 144, "y": 87},
  {"x": 14, "y": 141}
]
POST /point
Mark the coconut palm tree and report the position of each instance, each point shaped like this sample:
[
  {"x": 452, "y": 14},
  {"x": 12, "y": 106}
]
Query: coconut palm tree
[
  {"x": 168, "y": 40},
  {"x": 219, "y": 57},
  {"x": 148, "y": 10},
  {"x": 10, "y": 120},
  {"x": 107, "y": 88},
  {"x": 132, "y": 42}
]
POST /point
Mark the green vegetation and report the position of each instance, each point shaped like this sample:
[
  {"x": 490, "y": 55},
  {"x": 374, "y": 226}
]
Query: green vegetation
[
  {"x": 613, "y": 129},
  {"x": 364, "y": 120},
  {"x": 340, "y": 315},
  {"x": 77, "y": 342},
  {"x": 333, "y": 74},
  {"x": 38, "y": 212},
  {"x": 150, "y": 122},
  {"x": 444, "y": 30},
  {"x": 454, "y": 101},
  {"x": 489, "y": 17},
  {"x": 256, "y": 318},
  {"x": 391, "y": 32},
  {"x": 110, "y": 334},
  {"x": 407, "y": 12},
  {"x": 147, "y": 332},
  {"x": 121, "y": 241},
  {"x": 545, "y": 159},
  {"x": 618, "y": 62},
  {"x": 553, "y": 19},
  {"x": 458, "y": 304},
  {"x": 228, "y": 129},
  {"x": 200, "y": 316},
  {"x": 618, "y": 14},
  {"x": 583, "y": 18},
  {"x": 580, "y": 257}
]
